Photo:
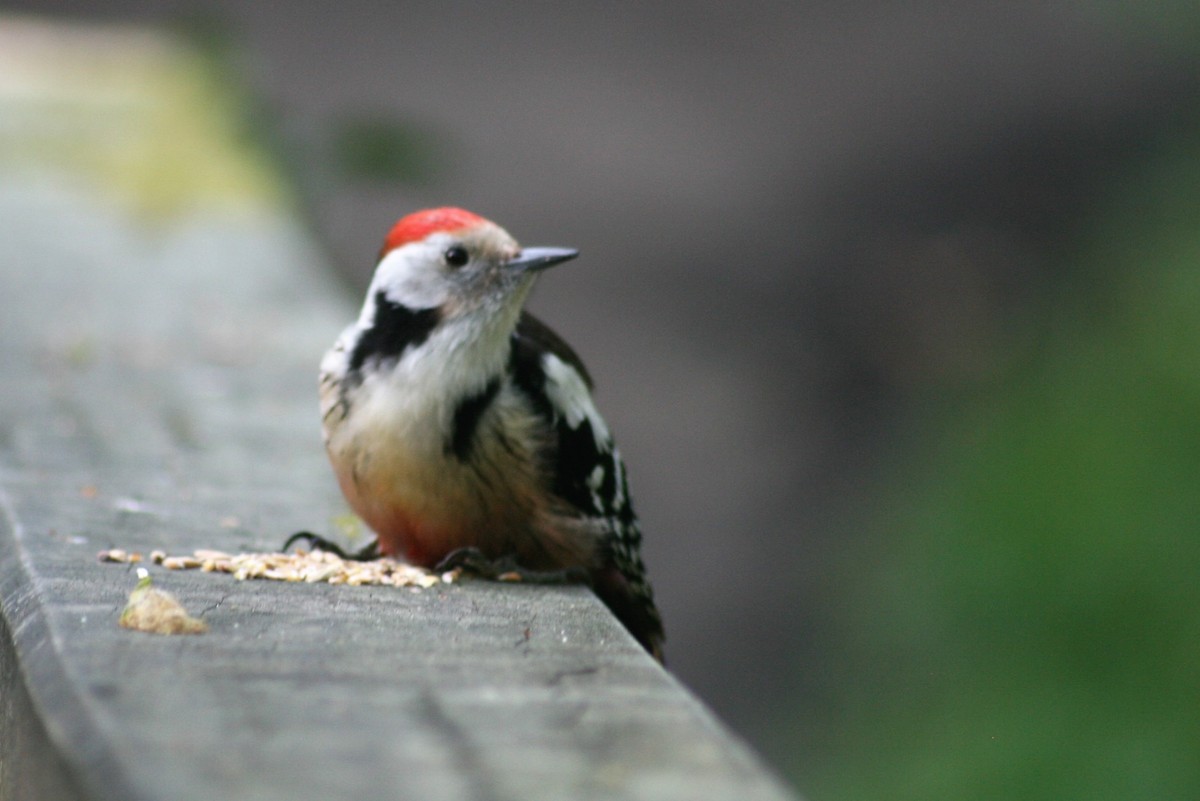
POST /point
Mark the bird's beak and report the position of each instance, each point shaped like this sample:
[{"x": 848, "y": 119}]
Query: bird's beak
[{"x": 534, "y": 259}]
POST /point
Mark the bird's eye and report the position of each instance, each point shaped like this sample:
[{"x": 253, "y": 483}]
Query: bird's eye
[{"x": 456, "y": 256}]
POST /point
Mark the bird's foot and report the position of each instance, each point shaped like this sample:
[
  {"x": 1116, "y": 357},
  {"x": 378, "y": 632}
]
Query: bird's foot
[
  {"x": 505, "y": 568},
  {"x": 316, "y": 542}
]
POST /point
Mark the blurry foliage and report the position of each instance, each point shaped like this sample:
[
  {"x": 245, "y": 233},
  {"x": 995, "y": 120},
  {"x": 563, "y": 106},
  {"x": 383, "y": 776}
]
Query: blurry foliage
[
  {"x": 1023, "y": 621},
  {"x": 151, "y": 122},
  {"x": 379, "y": 150},
  {"x": 1172, "y": 25},
  {"x": 213, "y": 38},
  {"x": 363, "y": 148}
]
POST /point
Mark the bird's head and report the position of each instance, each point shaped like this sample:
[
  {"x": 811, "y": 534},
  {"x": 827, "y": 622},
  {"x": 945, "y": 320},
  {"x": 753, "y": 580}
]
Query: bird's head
[{"x": 459, "y": 263}]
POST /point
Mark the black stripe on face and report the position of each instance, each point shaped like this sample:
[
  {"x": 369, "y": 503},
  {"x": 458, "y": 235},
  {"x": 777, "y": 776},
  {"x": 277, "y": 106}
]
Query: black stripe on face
[
  {"x": 395, "y": 328},
  {"x": 466, "y": 420}
]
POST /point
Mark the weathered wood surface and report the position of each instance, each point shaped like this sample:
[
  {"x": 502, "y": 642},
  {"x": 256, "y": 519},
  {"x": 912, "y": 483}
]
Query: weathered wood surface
[{"x": 158, "y": 391}]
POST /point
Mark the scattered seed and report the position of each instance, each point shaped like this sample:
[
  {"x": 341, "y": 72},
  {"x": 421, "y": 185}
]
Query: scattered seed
[
  {"x": 119, "y": 555},
  {"x": 153, "y": 610},
  {"x": 313, "y": 567},
  {"x": 205, "y": 554}
]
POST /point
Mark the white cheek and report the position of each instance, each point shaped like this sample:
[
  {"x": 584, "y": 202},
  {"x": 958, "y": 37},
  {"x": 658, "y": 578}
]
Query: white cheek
[{"x": 411, "y": 276}]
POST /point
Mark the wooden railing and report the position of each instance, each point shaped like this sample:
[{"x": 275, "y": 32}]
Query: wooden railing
[{"x": 158, "y": 392}]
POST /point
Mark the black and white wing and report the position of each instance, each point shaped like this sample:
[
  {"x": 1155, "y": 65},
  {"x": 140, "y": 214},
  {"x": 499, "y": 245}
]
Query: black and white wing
[{"x": 588, "y": 472}]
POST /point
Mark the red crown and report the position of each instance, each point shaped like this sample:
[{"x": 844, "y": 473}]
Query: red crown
[{"x": 420, "y": 224}]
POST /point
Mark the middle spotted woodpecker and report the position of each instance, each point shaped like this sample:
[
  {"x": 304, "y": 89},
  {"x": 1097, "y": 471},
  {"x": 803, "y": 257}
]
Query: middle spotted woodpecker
[{"x": 458, "y": 423}]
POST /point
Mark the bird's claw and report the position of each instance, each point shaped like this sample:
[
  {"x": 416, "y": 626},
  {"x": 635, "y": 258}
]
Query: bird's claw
[
  {"x": 506, "y": 568},
  {"x": 471, "y": 560},
  {"x": 318, "y": 543}
]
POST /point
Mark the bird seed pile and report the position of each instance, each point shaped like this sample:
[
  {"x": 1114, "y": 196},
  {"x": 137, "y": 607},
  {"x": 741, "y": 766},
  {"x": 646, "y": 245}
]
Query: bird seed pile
[{"x": 307, "y": 566}]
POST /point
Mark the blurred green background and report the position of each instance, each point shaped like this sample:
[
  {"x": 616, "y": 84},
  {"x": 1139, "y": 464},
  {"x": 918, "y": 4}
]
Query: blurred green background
[{"x": 1021, "y": 619}]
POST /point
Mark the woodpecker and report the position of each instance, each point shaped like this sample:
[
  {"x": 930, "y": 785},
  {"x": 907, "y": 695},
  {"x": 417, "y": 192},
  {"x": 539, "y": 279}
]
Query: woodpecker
[{"x": 457, "y": 423}]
